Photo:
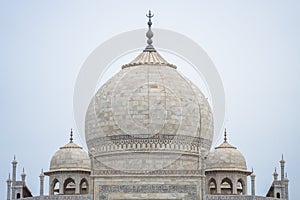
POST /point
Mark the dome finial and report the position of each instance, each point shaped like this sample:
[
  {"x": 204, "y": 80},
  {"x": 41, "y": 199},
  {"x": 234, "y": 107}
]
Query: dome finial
[
  {"x": 225, "y": 136},
  {"x": 14, "y": 160},
  {"x": 8, "y": 180},
  {"x": 282, "y": 159},
  {"x": 71, "y": 136},
  {"x": 149, "y": 34},
  {"x": 275, "y": 174},
  {"x": 252, "y": 171}
]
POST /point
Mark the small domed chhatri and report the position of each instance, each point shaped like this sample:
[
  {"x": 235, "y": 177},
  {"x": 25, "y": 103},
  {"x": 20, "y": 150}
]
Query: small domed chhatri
[
  {"x": 70, "y": 169},
  {"x": 226, "y": 170},
  {"x": 70, "y": 157},
  {"x": 226, "y": 157}
]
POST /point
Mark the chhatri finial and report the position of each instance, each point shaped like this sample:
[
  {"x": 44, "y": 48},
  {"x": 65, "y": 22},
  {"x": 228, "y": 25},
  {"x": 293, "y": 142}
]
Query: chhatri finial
[
  {"x": 225, "y": 136},
  {"x": 8, "y": 180},
  {"x": 71, "y": 136},
  {"x": 282, "y": 160},
  {"x": 42, "y": 173},
  {"x": 14, "y": 160},
  {"x": 149, "y": 34},
  {"x": 252, "y": 174},
  {"x": 275, "y": 174}
]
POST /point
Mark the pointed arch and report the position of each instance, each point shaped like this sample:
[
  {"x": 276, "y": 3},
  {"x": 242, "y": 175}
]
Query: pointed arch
[
  {"x": 212, "y": 186},
  {"x": 55, "y": 185},
  {"x": 241, "y": 189},
  {"x": 84, "y": 186},
  {"x": 226, "y": 186},
  {"x": 69, "y": 186}
]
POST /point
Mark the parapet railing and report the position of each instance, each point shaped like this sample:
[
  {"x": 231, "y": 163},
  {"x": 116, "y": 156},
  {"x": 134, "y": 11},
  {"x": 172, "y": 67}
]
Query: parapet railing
[
  {"x": 208, "y": 197},
  {"x": 60, "y": 197},
  {"x": 238, "y": 197}
]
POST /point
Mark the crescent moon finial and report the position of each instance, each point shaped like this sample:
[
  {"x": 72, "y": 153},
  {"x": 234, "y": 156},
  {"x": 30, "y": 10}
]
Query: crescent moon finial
[{"x": 149, "y": 15}]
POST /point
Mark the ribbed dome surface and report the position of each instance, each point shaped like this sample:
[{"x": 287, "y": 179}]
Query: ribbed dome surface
[
  {"x": 226, "y": 157},
  {"x": 70, "y": 157},
  {"x": 150, "y": 58}
]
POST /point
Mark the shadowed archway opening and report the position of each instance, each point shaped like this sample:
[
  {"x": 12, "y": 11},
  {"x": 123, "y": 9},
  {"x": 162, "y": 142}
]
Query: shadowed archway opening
[
  {"x": 55, "y": 187},
  {"x": 278, "y": 195},
  {"x": 240, "y": 187},
  {"x": 226, "y": 186},
  {"x": 212, "y": 186},
  {"x": 84, "y": 186},
  {"x": 69, "y": 186}
]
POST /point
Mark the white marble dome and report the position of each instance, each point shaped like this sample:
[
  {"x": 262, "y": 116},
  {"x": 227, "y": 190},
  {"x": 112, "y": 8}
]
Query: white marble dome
[
  {"x": 70, "y": 157},
  {"x": 226, "y": 157},
  {"x": 148, "y": 117}
]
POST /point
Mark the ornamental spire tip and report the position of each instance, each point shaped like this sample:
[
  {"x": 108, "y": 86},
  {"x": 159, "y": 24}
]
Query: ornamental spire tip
[
  {"x": 225, "y": 136},
  {"x": 149, "y": 34},
  {"x": 71, "y": 136}
]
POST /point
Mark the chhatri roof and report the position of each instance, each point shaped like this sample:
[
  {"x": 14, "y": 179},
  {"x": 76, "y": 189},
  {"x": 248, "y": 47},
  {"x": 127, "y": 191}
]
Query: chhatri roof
[
  {"x": 226, "y": 157},
  {"x": 70, "y": 157}
]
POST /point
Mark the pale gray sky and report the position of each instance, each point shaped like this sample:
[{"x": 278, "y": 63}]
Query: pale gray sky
[{"x": 254, "y": 44}]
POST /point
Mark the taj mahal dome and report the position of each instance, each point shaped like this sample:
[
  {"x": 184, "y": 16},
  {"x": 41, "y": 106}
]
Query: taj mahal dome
[{"x": 149, "y": 133}]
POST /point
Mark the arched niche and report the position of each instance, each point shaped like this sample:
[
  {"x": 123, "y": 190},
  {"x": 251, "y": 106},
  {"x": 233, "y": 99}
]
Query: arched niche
[
  {"x": 226, "y": 186},
  {"x": 240, "y": 187},
  {"x": 69, "y": 186},
  {"x": 84, "y": 186},
  {"x": 212, "y": 186},
  {"x": 55, "y": 187}
]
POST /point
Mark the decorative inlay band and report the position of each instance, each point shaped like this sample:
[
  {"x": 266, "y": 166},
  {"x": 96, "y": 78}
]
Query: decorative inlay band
[
  {"x": 189, "y": 190},
  {"x": 147, "y": 172},
  {"x": 146, "y": 142}
]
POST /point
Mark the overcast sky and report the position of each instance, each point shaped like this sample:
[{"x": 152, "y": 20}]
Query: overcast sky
[{"x": 255, "y": 46}]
